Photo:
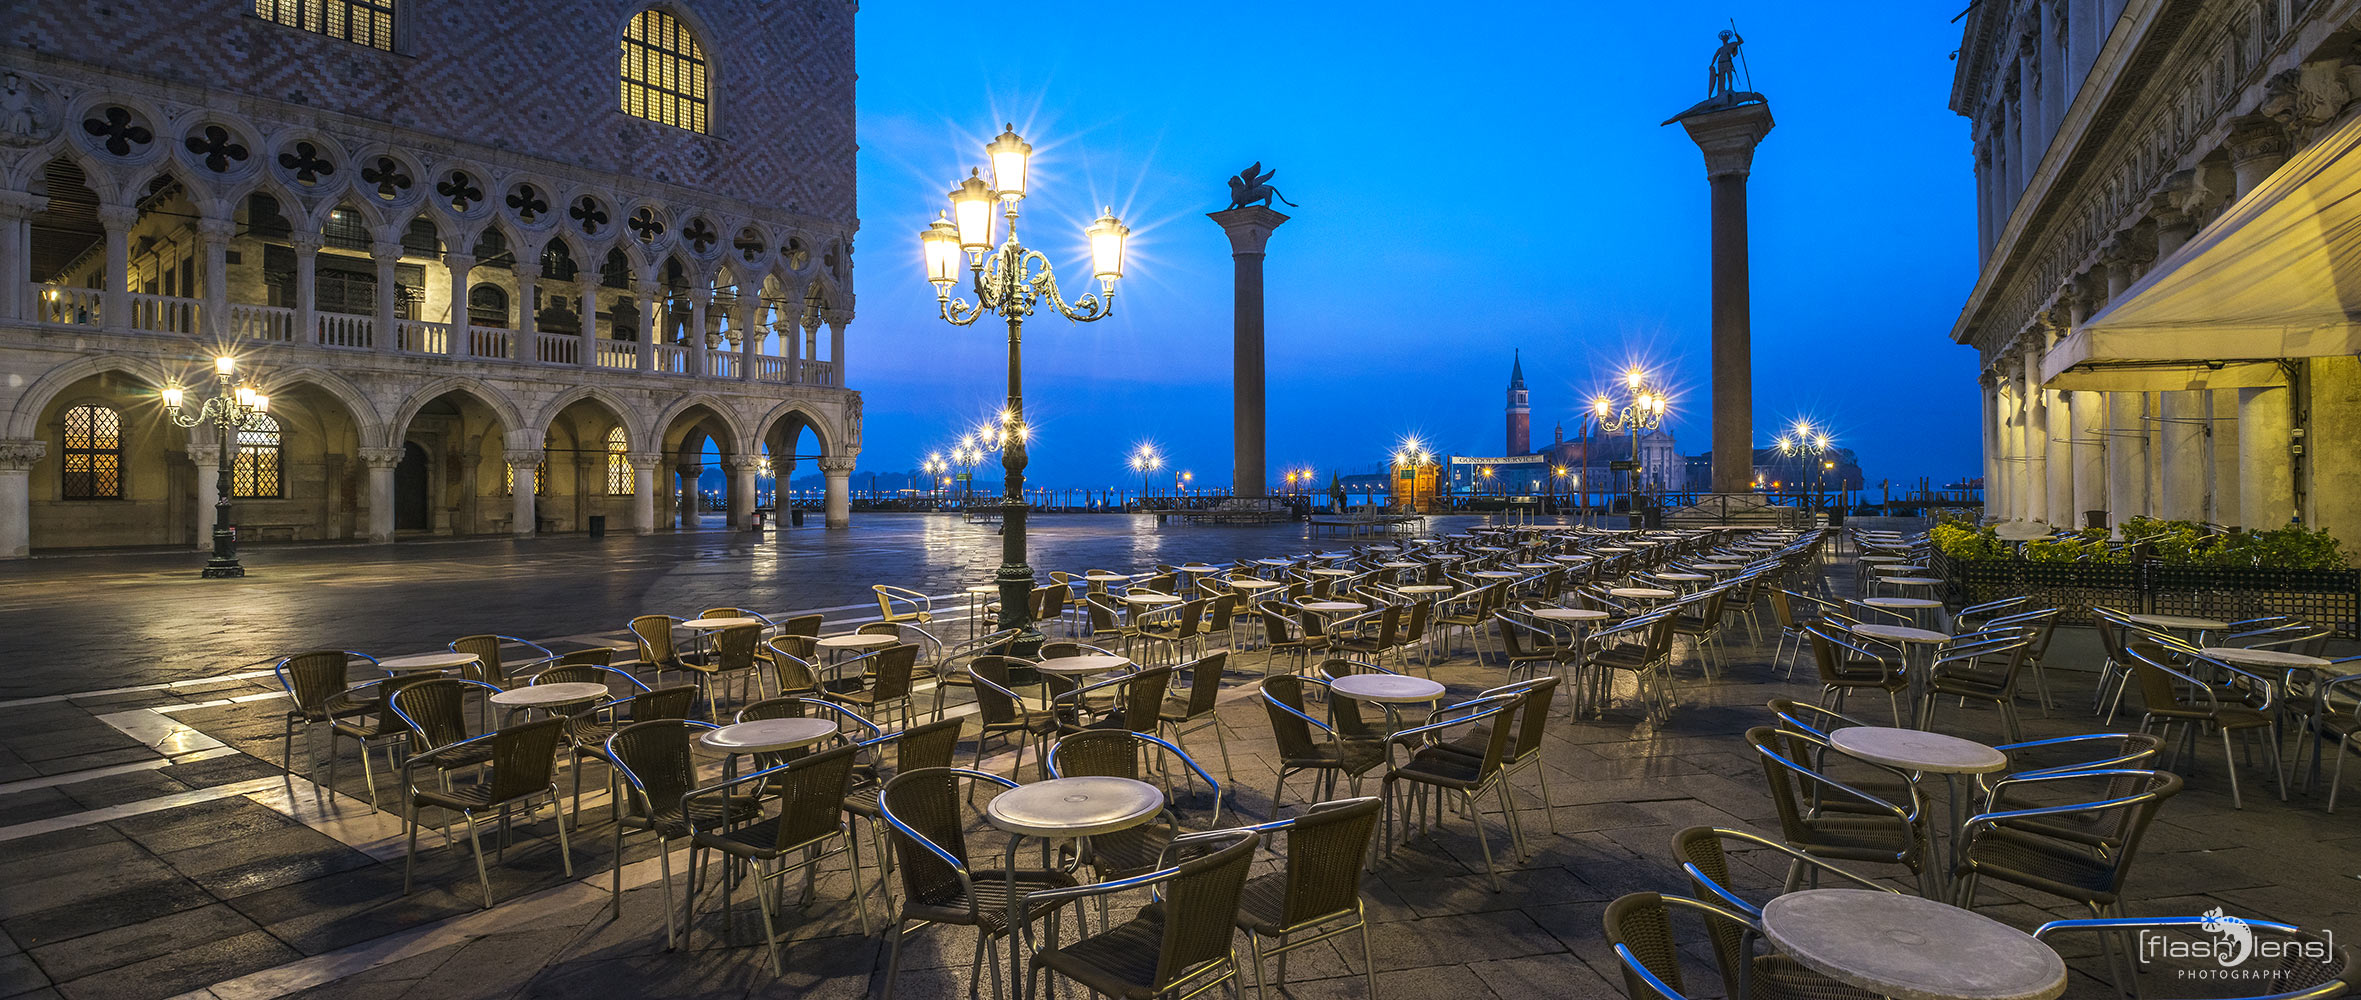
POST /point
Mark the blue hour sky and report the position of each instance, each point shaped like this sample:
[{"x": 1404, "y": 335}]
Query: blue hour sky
[{"x": 1473, "y": 180}]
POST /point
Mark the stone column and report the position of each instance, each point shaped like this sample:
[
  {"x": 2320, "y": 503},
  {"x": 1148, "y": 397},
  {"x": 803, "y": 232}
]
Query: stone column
[
  {"x": 2029, "y": 118},
  {"x": 16, "y": 495},
  {"x": 741, "y": 473},
  {"x": 386, "y": 253},
  {"x": 307, "y": 287},
  {"x": 2266, "y": 467},
  {"x": 205, "y": 454},
  {"x": 742, "y": 322},
  {"x": 2182, "y": 459},
  {"x": 645, "y": 291},
  {"x": 686, "y": 508},
  {"x": 643, "y": 490},
  {"x": 381, "y": 463},
  {"x": 2033, "y": 424},
  {"x": 459, "y": 264},
  {"x": 524, "y": 463},
  {"x": 213, "y": 240},
  {"x": 836, "y": 324},
  {"x": 2127, "y": 456},
  {"x": 699, "y": 299},
  {"x": 839, "y": 471},
  {"x": 2221, "y": 414},
  {"x": 114, "y": 310},
  {"x": 2087, "y": 420},
  {"x": 1728, "y": 137},
  {"x": 1994, "y": 488},
  {"x": 16, "y": 246},
  {"x": 2010, "y": 440},
  {"x": 1249, "y": 230},
  {"x": 528, "y": 320},
  {"x": 2258, "y": 145},
  {"x": 586, "y": 287},
  {"x": 2058, "y": 457}
]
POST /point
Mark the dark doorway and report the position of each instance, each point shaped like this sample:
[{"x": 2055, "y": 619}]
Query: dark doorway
[{"x": 410, "y": 512}]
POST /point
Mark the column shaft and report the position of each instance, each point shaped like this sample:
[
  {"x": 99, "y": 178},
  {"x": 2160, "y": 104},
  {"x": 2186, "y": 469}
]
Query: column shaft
[
  {"x": 307, "y": 288},
  {"x": 2266, "y": 469},
  {"x": 388, "y": 333},
  {"x": 2182, "y": 459},
  {"x": 586, "y": 287},
  {"x": 2127, "y": 456},
  {"x": 462, "y": 340},
  {"x": 2087, "y": 419},
  {"x": 1733, "y": 350},
  {"x": 16, "y": 496}
]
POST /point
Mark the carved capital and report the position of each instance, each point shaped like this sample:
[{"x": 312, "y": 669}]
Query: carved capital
[
  {"x": 459, "y": 261},
  {"x": 522, "y": 457},
  {"x": 17, "y": 455},
  {"x": 118, "y": 217},
  {"x": 381, "y": 458},
  {"x": 836, "y": 466},
  {"x": 2255, "y": 137},
  {"x": 644, "y": 461},
  {"x": 527, "y": 271},
  {"x": 385, "y": 251},
  {"x": 19, "y": 204},
  {"x": 305, "y": 242},
  {"x": 214, "y": 229}
]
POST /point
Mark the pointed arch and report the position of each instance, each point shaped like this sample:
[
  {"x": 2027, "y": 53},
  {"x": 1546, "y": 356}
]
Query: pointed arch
[
  {"x": 601, "y": 395},
  {"x": 662, "y": 425},
  {"x": 501, "y": 406},
  {"x": 369, "y": 424},
  {"x": 24, "y": 421},
  {"x": 810, "y": 417}
]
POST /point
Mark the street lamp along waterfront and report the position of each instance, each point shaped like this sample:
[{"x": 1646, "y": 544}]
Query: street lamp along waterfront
[
  {"x": 1011, "y": 281},
  {"x": 1642, "y": 410},
  {"x": 233, "y": 406}
]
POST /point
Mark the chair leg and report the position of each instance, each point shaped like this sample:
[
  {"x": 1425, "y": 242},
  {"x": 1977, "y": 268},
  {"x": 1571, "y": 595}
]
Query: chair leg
[
  {"x": 410, "y": 821},
  {"x": 764, "y": 900},
  {"x": 477, "y": 847},
  {"x": 565, "y": 850},
  {"x": 1368, "y": 959},
  {"x": 664, "y": 870},
  {"x": 2230, "y": 766}
]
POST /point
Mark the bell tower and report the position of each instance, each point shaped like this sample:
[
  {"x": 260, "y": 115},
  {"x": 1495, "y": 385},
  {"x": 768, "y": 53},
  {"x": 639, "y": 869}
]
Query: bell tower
[{"x": 1520, "y": 410}]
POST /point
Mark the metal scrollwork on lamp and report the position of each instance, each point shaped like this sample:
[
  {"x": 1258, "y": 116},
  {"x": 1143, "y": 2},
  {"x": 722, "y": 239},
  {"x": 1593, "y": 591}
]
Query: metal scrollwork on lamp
[
  {"x": 1013, "y": 281},
  {"x": 1643, "y": 410},
  {"x": 233, "y": 406}
]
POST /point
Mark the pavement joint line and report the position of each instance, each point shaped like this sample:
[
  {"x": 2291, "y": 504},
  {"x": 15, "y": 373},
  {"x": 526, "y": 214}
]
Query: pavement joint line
[
  {"x": 108, "y": 814},
  {"x": 191, "y": 682},
  {"x": 95, "y": 773}
]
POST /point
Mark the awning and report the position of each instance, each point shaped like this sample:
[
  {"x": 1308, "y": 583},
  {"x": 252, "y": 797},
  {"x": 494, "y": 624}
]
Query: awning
[{"x": 2276, "y": 276}]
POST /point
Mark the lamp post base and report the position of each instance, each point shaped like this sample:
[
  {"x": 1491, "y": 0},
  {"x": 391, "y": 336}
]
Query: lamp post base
[
  {"x": 216, "y": 567},
  {"x": 224, "y": 561}
]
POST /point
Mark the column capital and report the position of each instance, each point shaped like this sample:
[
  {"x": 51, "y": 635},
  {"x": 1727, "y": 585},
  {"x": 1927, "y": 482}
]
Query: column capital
[
  {"x": 381, "y": 458},
  {"x": 645, "y": 461},
  {"x": 459, "y": 261},
  {"x": 216, "y": 229},
  {"x": 1727, "y": 136},
  {"x": 305, "y": 242},
  {"x": 1249, "y": 228},
  {"x": 19, "y": 204},
  {"x": 118, "y": 216},
  {"x": 527, "y": 270},
  {"x": 522, "y": 456},
  {"x": 19, "y": 454},
  {"x": 385, "y": 251},
  {"x": 836, "y": 465}
]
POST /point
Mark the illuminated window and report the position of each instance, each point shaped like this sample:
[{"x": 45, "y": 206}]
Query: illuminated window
[
  {"x": 362, "y": 22},
  {"x": 619, "y": 478},
  {"x": 664, "y": 73},
  {"x": 255, "y": 471},
  {"x": 540, "y": 479},
  {"x": 93, "y": 454}
]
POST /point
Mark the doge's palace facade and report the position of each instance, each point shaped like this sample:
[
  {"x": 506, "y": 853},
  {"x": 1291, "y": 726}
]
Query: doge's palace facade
[{"x": 500, "y": 268}]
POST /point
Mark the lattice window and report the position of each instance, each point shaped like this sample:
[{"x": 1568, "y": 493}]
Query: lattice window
[
  {"x": 540, "y": 479},
  {"x": 93, "y": 454},
  {"x": 664, "y": 76},
  {"x": 256, "y": 471},
  {"x": 619, "y": 476},
  {"x": 362, "y": 22}
]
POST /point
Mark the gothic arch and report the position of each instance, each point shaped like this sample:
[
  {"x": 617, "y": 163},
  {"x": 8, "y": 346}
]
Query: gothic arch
[
  {"x": 364, "y": 412},
  {"x": 822, "y": 429},
  {"x": 24, "y": 421},
  {"x": 722, "y": 412},
  {"x": 500, "y": 404},
  {"x": 622, "y": 413}
]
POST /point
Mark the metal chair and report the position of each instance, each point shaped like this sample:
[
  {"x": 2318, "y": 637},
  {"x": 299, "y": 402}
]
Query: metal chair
[
  {"x": 1828, "y": 818},
  {"x": 2172, "y": 697},
  {"x": 732, "y": 653},
  {"x": 929, "y": 831},
  {"x": 889, "y": 681},
  {"x": 587, "y": 732},
  {"x": 317, "y": 696},
  {"x": 1105, "y": 753},
  {"x": 1004, "y": 713},
  {"x": 2086, "y": 862},
  {"x": 1196, "y": 712},
  {"x": 1441, "y": 770},
  {"x": 1986, "y": 672},
  {"x": 490, "y": 666},
  {"x": 656, "y": 648},
  {"x": 2308, "y": 966},
  {"x": 655, "y": 761},
  {"x": 1328, "y": 755},
  {"x": 1845, "y": 667},
  {"x": 1180, "y": 945},
  {"x": 1639, "y": 928},
  {"x": 932, "y": 745},
  {"x": 1317, "y": 891},
  {"x": 523, "y": 761},
  {"x": 811, "y": 793},
  {"x": 897, "y": 604}
]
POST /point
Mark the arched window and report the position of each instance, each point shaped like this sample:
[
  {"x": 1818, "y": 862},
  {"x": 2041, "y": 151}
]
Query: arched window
[
  {"x": 619, "y": 477},
  {"x": 255, "y": 472},
  {"x": 664, "y": 72},
  {"x": 93, "y": 454},
  {"x": 487, "y": 306},
  {"x": 362, "y": 22}
]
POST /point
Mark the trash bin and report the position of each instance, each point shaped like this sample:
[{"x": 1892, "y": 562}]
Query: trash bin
[
  {"x": 795, "y": 517},
  {"x": 758, "y": 520},
  {"x": 598, "y": 526}
]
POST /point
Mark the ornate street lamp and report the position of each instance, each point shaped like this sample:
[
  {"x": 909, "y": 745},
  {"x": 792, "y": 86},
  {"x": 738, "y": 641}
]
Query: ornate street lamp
[
  {"x": 1012, "y": 281},
  {"x": 233, "y": 406},
  {"x": 1145, "y": 460},
  {"x": 1643, "y": 409},
  {"x": 1804, "y": 440},
  {"x": 1414, "y": 456}
]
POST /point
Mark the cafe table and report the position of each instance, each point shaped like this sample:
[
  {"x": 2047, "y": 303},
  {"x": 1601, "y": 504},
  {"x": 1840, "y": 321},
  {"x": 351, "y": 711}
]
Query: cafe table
[
  {"x": 1387, "y": 691},
  {"x": 439, "y": 660},
  {"x": 1643, "y": 593},
  {"x": 548, "y": 697},
  {"x": 1912, "y": 640},
  {"x": 764, "y": 736},
  {"x": 1910, "y": 948},
  {"x": 1077, "y": 808},
  {"x": 1919, "y": 753},
  {"x": 705, "y": 627}
]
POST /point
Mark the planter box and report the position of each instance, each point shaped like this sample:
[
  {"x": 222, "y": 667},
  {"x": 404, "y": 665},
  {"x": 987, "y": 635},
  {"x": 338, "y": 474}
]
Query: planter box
[{"x": 2325, "y": 597}]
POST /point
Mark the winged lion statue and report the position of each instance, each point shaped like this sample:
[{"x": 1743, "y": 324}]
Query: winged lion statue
[{"x": 1253, "y": 184}]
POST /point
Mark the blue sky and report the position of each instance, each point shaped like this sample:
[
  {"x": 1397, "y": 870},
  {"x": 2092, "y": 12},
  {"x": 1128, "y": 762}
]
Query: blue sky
[{"x": 1473, "y": 180}]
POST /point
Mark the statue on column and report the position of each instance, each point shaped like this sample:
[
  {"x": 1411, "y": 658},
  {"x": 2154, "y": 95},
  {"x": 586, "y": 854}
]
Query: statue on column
[
  {"x": 1248, "y": 188},
  {"x": 1722, "y": 72}
]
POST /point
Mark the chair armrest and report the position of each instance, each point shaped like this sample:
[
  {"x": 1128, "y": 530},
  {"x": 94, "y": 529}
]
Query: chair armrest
[{"x": 1284, "y": 707}]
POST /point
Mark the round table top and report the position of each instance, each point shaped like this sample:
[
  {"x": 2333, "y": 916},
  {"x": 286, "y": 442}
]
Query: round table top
[
  {"x": 1885, "y": 559},
  {"x": 1149, "y": 597},
  {"x": 1572, "y": 559},
  {"x": 1533, "y": 566},
  {"x": 768, "y": 734},
  {"x": 1249, "y": 583},
  {"x": 536, "y": 695},
  {"x": 1918, "y": 750},
  {"x": 1427, "y": 588},
  {"x": 1329, "y": 571},
  {"x": 1616, "y": 549},
  {"x": 2183, "y": 622},
  {"x": 855, "y": 640},
  {"x": 1106, "y": 577},
  {"x": 1910, "y": 948},
  {"x": 445, "y": 660},
  {"x": 2022, "y": 531},
  {"x": 1276, "y": 562},
  {"x": 1087, "y": 663},
  {"x": 1901, "y": 603},
  {"x": 1732, "y": 560},
  {"x": 1199, "y": 568},
  {"x": 1569, "y": 614},
  {"x": 1683, "y": 577},
  {"x": 2245, "y": 657},
  {"x": 1333, "y": 607},
  {"x": 732, "y": 621},
  {"x": 1386, "y": 688},
  {"x": 1486, "y": 548},
  {"x": 1910, "y": 581},
  {"x": 1652, "y": 593},
  {"x": 1398, "y": 564},
  {"x": 1495, "y": 574},
  {"x": 1898, "y": 633},
  {"x": 1074, "y": 807}
]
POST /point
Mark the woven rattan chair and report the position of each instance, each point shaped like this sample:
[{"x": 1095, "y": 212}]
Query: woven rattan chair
[
  {"x": 316, "y": 697},
  {"x": 1639, "y": 928},
  {"x": 731, "y": 655},
  {"x": 594, "y": 656},
  {"x": 589, "y": 673},
  {"x": 587, "y": 732},
  {"x": 1434, "y": 767},
  {"x": 1104, "y": 753},
  {"x": 1318, "y": 893},
  {"x": 2081, "y": 849},
  {"x": 1137, "y": 704},
  {"x": 657, "y": 651},
  {"x": 922, "y": 810},
  {"x": 1004, "y": 713},
  {"x": 435, "y": 714},
  {"x": 1846, "y": 666},
  {"x": 1829, "y": 818},
  {"x": 490, "y": 666},
  {"x": 1179, "y": 634},
  {"x": 1700, "y": 618},
  {"x": 889, "y": 681},
  {"x": 950, "y": 670},
  {"x": 1986, "y": 672},
  {"x": 2171, "y": 694},
  {"x": 1281, "y": 636},
  {"x": 1328, "y": 754},
  {"x": 896, "y": 604},
  {"x": 655, "y": 761},
  {"x": 790, "y": 659},
  {"x": 522, "y": 759},
  {"x": 1196, "y": 711},
  {"x": 811, "y": 793},
  {"x": 932, "y": 745},
  {"x": 1524, "y": 751},
  {"x": 1373, "y": 645},
  {"x": 1642, "y": 647},
  {"x": 1703, "y": 855},
  {"x": 1529, "y": 648},
  {"x": 1179, "y": 945}
]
